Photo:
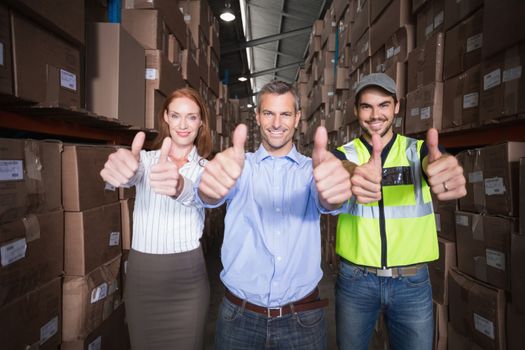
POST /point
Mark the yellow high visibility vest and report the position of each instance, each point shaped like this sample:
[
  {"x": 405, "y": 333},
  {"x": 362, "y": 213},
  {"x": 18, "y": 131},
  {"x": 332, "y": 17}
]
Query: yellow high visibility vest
[{"x": 400, "y": 229}]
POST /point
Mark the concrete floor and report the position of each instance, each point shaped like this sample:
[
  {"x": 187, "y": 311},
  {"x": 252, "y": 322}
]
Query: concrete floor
[{"x": 326, "y": 288}]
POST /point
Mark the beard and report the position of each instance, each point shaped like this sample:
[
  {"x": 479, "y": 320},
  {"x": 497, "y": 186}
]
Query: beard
[{"x": 383, "y": 133}]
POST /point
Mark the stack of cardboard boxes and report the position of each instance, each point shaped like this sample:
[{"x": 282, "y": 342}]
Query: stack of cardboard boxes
[
  {"x": 121, "y": 71},
  {"x": 31, "y": 244},
  {"x": 92, "y": 288},
  {"x": 487, "y": 283}
]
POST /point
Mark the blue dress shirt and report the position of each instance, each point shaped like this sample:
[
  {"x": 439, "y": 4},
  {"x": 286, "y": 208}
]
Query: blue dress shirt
[{"x": 271, "y": 253}]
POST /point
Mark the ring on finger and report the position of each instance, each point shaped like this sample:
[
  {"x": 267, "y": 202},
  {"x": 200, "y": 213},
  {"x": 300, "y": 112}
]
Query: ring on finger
[{"x": 445, "y": 186}]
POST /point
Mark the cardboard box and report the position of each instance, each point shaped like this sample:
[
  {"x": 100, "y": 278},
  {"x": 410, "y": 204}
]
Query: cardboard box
[
  {"x": 515, "y": 327},
  {"x": 65, "y": 17},
  {"x": 395, "y": 16},
  {"x": 438, "y": 271},
  {"x": 425, "y": 63},
  {"x": 161, "y": 74},
  {"x": 190, "y": 67},
  {"x": 501, "y": 177},
  {"x": 33, "y": 321},
  {"x": 455, "y": 10},
  {"x": 92, "y": 238},
  {"x": 115, "y": 83},
  {"x": 31, "y": 178},
  {"x": 82, "y": 186},
  {"x": 458, "y": 341},
  {"x": 215, "y": 42},
  {"x": 126, "y": 214},
  {"x": 89, "y": 300},
  {"x": 429, "y": 21},
  {"x": 171, "y": 14},
  {"x": 463, "y": 45},
  {"x": 446, "y": 219},
  {"x": 202, "y": 56},
  {"x": 462, "y": 96},
  {"x": 32, "y": 253},
  {"x": 362, "y": 19},
  {"x": 503, "y": 84},
  {"x": 175, "y": 50},
  {"x": 154, "y": 102},
  {"x": 502, "y": 25},
  {"x": 213, "y": 71},
  {"x": 399, "y": 119},
  {"x": 111, "y": 334},
  {"x": 53, "y": 77},
  {"x": 148, "y": 28},
  {"x": 376, "y": 7},
  {"x": 522, "y": 196},
  {"x": 195, "y": 13},
  {"x": 483, "y": 245},
  {"x": 338, "y": 8},
  {"x": 329, "y": 26},
  {"x": 6, "y": 64},
  {"x": 424, "y": 108},
  {"x": 440, "y": 326},
  {"x": 472, "y": 162},
  {"x": 418, "y": 4},
  {"x": 477, "y": 311},
  {"x": 517, "y": 260}
]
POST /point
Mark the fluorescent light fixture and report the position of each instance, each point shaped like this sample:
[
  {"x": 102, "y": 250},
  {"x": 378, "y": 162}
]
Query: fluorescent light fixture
[
  {"x": 227, "y": 14},
  {"x": 242, "y": 78}
]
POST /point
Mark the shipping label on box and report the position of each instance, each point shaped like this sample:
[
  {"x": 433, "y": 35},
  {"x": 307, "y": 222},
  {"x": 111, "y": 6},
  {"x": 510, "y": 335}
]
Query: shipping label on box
[{"x": 503, "y": 84}]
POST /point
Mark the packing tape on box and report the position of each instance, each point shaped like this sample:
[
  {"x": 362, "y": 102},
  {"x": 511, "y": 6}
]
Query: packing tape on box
[
  {"x": 32, "y": 158},
  {"x": 32, "y": 227},
  {"x": 477, "y": 228},
  {"x": 33, "y": 170}
]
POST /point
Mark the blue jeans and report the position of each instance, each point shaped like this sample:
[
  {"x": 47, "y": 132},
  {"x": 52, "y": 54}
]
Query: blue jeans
[
  {"x": 406, "y": 303},
  {"x": 241, "y": 329}
]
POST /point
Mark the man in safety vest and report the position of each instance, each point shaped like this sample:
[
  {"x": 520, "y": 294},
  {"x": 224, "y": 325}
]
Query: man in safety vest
[{"x": 389, "y": 232}]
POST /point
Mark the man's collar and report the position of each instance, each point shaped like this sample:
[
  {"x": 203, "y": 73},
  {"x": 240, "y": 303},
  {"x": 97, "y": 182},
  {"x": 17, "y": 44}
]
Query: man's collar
[{"x": 261, "y": 154}]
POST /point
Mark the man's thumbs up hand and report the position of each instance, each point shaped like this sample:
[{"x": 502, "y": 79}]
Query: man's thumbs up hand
[
  {"x": 221, "y": 173},
  {"x": 366, "y": 179},
  {"x": 445, "y": 175},
  {"x": 331, "y": 178}
]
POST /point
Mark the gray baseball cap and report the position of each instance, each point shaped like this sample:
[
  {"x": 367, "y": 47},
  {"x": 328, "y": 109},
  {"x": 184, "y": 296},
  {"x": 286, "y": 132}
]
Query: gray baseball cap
[{"x": 376, "y": 79}]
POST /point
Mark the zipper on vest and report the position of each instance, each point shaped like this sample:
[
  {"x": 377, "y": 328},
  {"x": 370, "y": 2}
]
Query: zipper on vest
[{"x": 382, "y": 230}]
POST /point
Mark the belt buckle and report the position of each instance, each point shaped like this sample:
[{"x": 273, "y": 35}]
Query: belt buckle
[
  {"x": 269, "y": 312},
  {"x": 384, "y": 272}
]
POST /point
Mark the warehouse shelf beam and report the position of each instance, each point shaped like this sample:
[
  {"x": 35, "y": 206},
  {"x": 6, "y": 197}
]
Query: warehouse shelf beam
[
  {"x": 264, "y": 40},
  {"x": 279, "y": 13}
]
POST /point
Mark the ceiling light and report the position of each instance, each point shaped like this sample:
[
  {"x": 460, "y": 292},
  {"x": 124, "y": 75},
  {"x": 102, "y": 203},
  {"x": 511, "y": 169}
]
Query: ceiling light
[
  {"x": 242, "y": 78},
  {"x": 227, "y": 14},
  {"x": 249, "y": 105}
]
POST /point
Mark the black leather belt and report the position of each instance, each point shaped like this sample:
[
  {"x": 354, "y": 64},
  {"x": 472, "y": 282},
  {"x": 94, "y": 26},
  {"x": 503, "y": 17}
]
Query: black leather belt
[{"x": 309, "y": 302}]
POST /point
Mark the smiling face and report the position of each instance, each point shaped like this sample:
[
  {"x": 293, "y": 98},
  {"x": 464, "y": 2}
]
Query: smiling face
[
  {"x": 375, "y": 111},
  {"x": 277, "y": 119},
  {"x": 184, "y": 119}
]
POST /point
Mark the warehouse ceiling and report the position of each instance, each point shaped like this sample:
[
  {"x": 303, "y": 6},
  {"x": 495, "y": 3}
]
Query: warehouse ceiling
[{"x": 272, "y": 45}]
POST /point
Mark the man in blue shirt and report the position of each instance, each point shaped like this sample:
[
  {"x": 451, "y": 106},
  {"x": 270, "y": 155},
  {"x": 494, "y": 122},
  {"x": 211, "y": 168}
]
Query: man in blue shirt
[{"x": 272, "y": 246}]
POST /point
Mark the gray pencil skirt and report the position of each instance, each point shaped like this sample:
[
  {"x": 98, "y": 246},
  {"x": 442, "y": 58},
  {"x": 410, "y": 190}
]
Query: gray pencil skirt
[{"x": 167, "y": 298}]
